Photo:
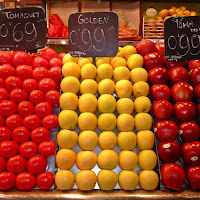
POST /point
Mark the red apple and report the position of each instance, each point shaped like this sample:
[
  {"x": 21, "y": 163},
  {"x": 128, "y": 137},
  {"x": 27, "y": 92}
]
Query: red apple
[
  {"x": 173, "y": 176},
  {"x": 152, "y": 60},
  {"x": 160, "y": 48},
  {"x": 190, "y": 153},
  {"x": 178, "y": 74},
  {"x": 189, "y": 131},
  {"x": 193, "y": 177},
  {"x": 192, "y": 64},
  {"x": 144, "y": 47},
  {"x": 168, "y": 151},
  {"x": 162, "y": 109},
  {"x": 171, "y": 64},
  {"x": 166, "y": 130},
  {"x": 158, "y": 75},
  {"x": 182, "y": 91},
  {"x": 195, "y": 76},
  {"x": 197, "y": 91},
  {"x": 160, "y": 92},
  {"x": 184, "y": 111},
  {"x": 198, "y": 110}
]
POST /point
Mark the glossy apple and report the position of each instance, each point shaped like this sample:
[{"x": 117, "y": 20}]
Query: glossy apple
[
  {"x": 195, "y": 76},
  {"x": 189, "y": 131},
  {"x": 162, "y": 109},
  {"x": 193, "y": 177},
  {"x": 184, "y": 111},
  {"x": 178, "y": 74},
  {"x": 171, "y": 64},
  {"x": 166, "y": 130},
  {"x": 144, "y": 47},
  {"x": 198, "y": 110},
  {"x": 182, "y": 91},
  {"x": 160, "y": 92},
  {"x": 152, "y": 60},
  {"x": 169, "y": 152},
  {"x": 190, "y": 153},
  {"x": 197, "y": 91},
  {"x": 192, "y": 64},
  {"x": 173, "y": 176},
  {"x": 160, "y": 48}
]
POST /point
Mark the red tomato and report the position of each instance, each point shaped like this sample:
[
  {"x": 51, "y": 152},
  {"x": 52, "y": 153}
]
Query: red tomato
[
  {"x": 48, "y": 54},
  {"x": 7, "y": 180},
  {"x": 36, "y": 96},
  {"x": 22, "y": 58},
  {"x": 14, "y": 121},
  {"x": 8, "y": 108},
  {"x": 40, "y": 62},
  {"x": 18, "y": 95},
  {"x": 25, "y": 181},
  {"x": 6, "y": 58},
  {"x": 5, "y": 133},
  {"x": 45, "y": 180},
  {"x": 55, "y": 73},
  {"x": 58, "y": 87},
  {"x": 8, "y": 148},
  {"x": 52, "y": 97},
  {"x": 28, "y": 149},
  {"x": 6, "y": 70},
  {"x": 16, "y": 164},
  {"x": 25, "y": 108},
  {"x": 30, "y": 85},
  {"x": 4, "y": 94},
  {"x": 47, "y": 148},
  {"x": 32, "y": 121},
  {"x": 61, "y": 55},
  {"x": 2, "y": 164},
  {"x": 21, "y": 134},
  {"x": 39, "y": 73},
  {"x": 24, "y": 72},
  {"x": 55, "y": 62},
  {"x": 43, "y": 109},
  {"x": 46, "y": 85},
  {"x": 50, "y": 121},
  {"x": 1, "y": 82},
  {"x": 37, "y": 165},
  {"x": 2, "y": 120},
  {"x": 13, "y": 82},
  {"x": 34, "y": 55},
  {"x": 40, "y": 134}
]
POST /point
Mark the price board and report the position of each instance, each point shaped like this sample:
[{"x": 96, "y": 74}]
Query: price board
[
  {"x": 182, "y": 38},
  {"x": 22, "y": 29},
  {"x": 93, "y": 34}
]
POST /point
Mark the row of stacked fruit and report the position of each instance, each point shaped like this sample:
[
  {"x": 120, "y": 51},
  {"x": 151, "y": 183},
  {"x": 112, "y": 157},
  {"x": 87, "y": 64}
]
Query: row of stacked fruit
[{"x": 108, "y": 76}]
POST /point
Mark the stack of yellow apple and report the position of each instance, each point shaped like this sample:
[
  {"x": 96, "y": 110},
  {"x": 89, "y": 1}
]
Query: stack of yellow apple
[{"x": 124, "y": 76}]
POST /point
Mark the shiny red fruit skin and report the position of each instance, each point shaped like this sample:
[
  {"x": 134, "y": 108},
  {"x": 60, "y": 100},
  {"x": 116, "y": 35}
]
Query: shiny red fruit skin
[
  {"x": 2, "y": 120},
  {"x": 14, "y": 121},
  {"x": 40, "y": 134},
  {"x": 8, "y": 108},
  {"x": 28, "y": 149},
  {"x": 45, "y": 180},
  {"x": 166, "y": 130},
  {"x": 182, "y": 91},
  {"x": 6, "y": 58},
  {"x": 61, "y": 55},
  {"x": 8, "y": 148},
  {"x": 4, "y": 94},
  {"x": 171, "y": 64},
  {"x": 13, "y": 82},
  {"x": 21, "y": 134},
  {"x": 43, "y": 109},
  {"x": 7, "y": 180},
  {"x": 39, "y": 73},
  {"x": 192, "y": 64},
  {"x": 25, "y": 181},
  {"x": 158, "y": 75},
  {"x": 29, "y": 85},
  {"x": 1, "y": 82},
  {"x": 195, "y": 76},
  {"x": 184, "y": 111},
  {"x": 197, "y": 91},
  {"x": 50, "y": 121},
  {"x": 25, "y": 108},
  {"x": 162, "y": 109},
  {"x": 193, "y": 177},
  {"x": 160, "y": 92},
  {"x": 5, "y": 133},
  {"x": 46, "y": 85},
  {"x": 32, "y": 121},
  {"x": 152, "y": 60},
  {"x": 189, "y": 131},
  {"x": 6, "y": 70},
  {"x": 160, "y": 48},
  {"x": 24, "y": 72},
  {"x": 178, "y": 74},
  {"x": 55, "y": 73},
  {"x": 22, "y": 58},
  {"x": 55, "y": 62},
  {"x": 169, "y": 152},
  {"x": 40, "y": 62},
  {"x": 48, "y": 54},
  {"x": 36, "y": 96},
  {"x": 18, "y": 95},
  {"x": 47, "y": 148},
  {"x": 173, "y": 176},
  {"x": 190, "y": 153},
  {"x": 2, "y": 164},
  {"x": 52, "y": 97},
  {"x": 144, "y": 47},
  {"x": 198, "y": 110}
]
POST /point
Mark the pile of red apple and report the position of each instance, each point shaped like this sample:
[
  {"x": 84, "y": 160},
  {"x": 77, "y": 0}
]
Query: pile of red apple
[
  {"x": 176, "y": 109},
  {"x": 28, "y": 93}
]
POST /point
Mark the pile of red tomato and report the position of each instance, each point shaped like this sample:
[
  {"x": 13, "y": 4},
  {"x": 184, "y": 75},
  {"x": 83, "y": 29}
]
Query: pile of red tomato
[{"x": 29, "y": 88}]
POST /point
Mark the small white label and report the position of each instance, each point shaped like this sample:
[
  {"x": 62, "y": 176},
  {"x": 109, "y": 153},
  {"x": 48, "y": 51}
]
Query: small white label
[
  {"x": 194, "y": 158},
  {"x": 166, "y": 146},
  {"x": 180, "y": 132},
  {"x": 151, "y": 12},
  {"x": 190, "y": 87},
  {"x": 155, "y": 129}
]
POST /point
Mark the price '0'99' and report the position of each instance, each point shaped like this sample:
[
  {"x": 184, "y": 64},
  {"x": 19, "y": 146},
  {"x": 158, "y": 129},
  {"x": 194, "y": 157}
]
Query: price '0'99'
[
  {"x": 29, "y": 29},
  {"x": 87, "y": 39}
]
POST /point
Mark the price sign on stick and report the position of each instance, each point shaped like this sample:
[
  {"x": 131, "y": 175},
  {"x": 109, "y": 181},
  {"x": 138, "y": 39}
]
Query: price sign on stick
[
  {"x": 182, "y": 38},
  {"x": 22, "y": 29},
  {"x": 93, "y": 34}
]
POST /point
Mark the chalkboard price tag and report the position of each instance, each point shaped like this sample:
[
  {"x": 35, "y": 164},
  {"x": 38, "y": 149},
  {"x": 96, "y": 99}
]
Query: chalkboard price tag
[
  {"x": 182, "y": 38},
  {"x": 93, "y": 34},
  {"x": 22, "y": 29}
]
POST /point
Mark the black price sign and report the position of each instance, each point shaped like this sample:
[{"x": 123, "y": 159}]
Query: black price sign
[
  {"x": 22, "y": 29},
  {"x": 93, "y": 34},
  {"x": 182, "y": 38}
]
